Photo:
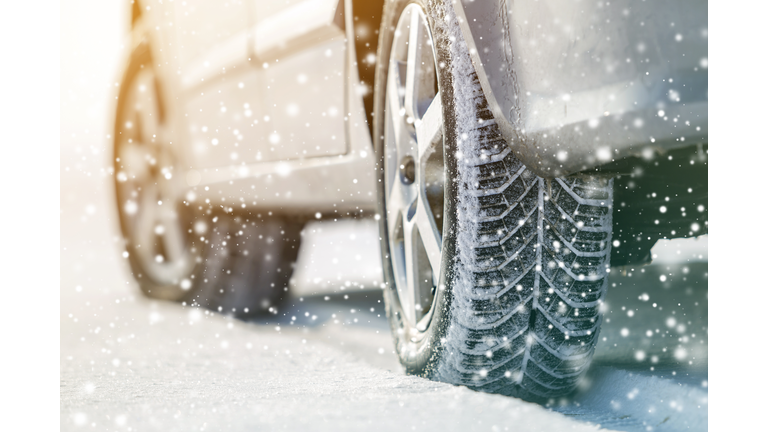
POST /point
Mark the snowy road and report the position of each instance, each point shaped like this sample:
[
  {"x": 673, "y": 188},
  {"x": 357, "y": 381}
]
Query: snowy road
[{"x": 326, "y": 361}]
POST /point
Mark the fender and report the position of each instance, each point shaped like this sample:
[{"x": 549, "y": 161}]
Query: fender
[{"x": 575, "y": 85}]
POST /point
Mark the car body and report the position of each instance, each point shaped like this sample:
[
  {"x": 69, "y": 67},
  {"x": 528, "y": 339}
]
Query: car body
[{"x": 274, "y": 99}]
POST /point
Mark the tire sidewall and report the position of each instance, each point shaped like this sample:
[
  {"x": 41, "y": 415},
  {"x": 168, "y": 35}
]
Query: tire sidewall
[{"x": 419, "y": 352}]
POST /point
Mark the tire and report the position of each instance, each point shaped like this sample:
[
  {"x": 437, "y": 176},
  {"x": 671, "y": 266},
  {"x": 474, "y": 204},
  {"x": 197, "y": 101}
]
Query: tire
[
  {"x": 179, "y": 252},
  {"x": 248, "y": 264},
  {"x": 513, "y": 302}
]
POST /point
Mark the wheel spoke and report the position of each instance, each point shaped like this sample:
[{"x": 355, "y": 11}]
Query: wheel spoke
[
  {"x": 393, "y": 98},
  {"x": 430, "y": 128},
  {"x": 413, "y": 66},
  {"x": 146, "y": 108},
  {"x": 395, "y": 206},
  {"x": 403, "y": 137},
  {"x": 171, "y": 185},
  {"x": 399, "y": 259},
  {"x": 430, "y": 236},
  {"x": 146, "y": 218},
  {"x": 173, "y": 235},
  {"x": 411, "y": 270}
]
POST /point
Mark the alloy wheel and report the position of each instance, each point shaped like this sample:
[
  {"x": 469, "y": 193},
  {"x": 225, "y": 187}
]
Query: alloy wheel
[{"x": 414, "y": 168}]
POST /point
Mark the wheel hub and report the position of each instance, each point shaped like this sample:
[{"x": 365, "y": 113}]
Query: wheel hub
[{"x": 407, "y": 170}]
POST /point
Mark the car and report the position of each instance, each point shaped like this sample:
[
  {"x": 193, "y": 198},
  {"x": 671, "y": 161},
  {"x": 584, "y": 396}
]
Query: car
[{"x": 513, "y": 153}]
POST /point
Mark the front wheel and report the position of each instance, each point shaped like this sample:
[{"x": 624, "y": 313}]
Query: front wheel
[{"x": 494, "y": 276}]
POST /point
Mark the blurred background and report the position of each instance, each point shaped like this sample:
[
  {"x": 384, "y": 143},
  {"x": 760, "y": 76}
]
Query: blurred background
[
  {"x": 128, "y": 363},
  {"x": 93, "y": 53}
]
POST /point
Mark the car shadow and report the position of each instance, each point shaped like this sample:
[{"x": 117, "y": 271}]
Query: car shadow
[{"x": 358, "y": 308}]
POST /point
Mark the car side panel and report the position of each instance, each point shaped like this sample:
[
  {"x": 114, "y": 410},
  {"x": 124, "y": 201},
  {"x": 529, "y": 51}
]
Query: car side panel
[
  {"x": 334, "y": 185},
  {"x": 337, "y": 184},
  {"x": 218, "y": 88},
  {"x": 204, "y": 26},
  {"x": 300, "y": 49}
]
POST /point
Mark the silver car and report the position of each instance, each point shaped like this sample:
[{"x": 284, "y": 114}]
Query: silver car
[{"x": 512, "y": 153}]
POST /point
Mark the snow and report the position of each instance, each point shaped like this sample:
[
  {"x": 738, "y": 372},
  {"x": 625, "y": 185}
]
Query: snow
[
  {"x": 646, "y": 403},
  {"x": 186, "y": 369},
  {"x": 468, "y": 207},
  {"x": 694, "y": 249}
]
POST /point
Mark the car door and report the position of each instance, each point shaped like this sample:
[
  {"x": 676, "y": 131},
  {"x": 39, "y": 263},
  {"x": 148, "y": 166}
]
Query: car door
[
  {"x": 300, "y": 49},
  {"x": 220, "y": 88}
]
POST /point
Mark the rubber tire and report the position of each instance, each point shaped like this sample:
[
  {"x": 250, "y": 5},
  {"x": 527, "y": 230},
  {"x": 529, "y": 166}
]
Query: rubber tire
[
  {"x": 484, "y": 333},
  {"x": 246, "y": 277},
  {"x": 247, "y": 264}
]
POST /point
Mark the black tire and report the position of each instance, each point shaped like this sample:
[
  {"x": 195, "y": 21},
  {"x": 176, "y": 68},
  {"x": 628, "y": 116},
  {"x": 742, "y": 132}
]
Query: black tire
[
  {"x": 235, "y": 264},
  {"x": 525, "y": 260},
  {"x": 248, "y": 264},
  {"x": 133, "y": 181}
]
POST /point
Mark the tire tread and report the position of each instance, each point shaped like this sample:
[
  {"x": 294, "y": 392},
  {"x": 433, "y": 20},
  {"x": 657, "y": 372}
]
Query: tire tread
[{"x": 552, "y": 238}]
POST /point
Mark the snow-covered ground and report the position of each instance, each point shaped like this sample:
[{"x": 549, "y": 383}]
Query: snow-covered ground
[
  {"x": 326, "y": 362},
  {"x": 128, "y": 363}
]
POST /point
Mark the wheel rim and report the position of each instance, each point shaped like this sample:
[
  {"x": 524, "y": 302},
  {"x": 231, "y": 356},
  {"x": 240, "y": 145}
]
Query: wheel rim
[
  {"x": 414, "y": 168},
  {"x": 147, "y": 187}
]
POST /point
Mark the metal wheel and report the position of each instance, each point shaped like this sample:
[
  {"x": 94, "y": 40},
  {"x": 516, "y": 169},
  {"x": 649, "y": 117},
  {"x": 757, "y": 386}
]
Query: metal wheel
[
  {"x": 148, "y": 189},
  {"x": 413, "y": 166}
]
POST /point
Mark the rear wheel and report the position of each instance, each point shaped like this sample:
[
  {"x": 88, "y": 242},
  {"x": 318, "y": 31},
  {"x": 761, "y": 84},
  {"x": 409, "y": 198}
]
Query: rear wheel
[
  {"x": 236, "y": 264},
  {"x": 155, "y": 225},
  {"x": 494, "y": 276}
]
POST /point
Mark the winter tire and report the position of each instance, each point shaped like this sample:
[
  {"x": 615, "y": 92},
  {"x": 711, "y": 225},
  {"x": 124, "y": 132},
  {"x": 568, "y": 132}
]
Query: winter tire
[
  {"x": 236, "y": 264},
  {"x": 494, "y": 276}
]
